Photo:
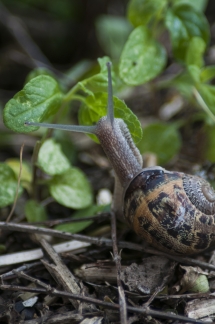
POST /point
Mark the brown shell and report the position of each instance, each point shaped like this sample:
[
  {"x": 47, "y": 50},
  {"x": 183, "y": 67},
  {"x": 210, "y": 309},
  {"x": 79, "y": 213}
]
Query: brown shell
[{"x": 172, "y": 211}]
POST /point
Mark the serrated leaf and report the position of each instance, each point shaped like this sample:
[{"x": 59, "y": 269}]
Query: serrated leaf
[
  {"x": 51, "y": 158},
  {"x": 39, "y": 99},
  {"x": 97, "y": 82},
  {"x": 161, "y": 139},
  {"x": 95, "y": 107},
  {"x": 8, "y": 185},
  {"x": 140, "y": 12},
  {"x": 35, "y": 212},
  {"x": 142, "y": 59},
  {"x": 112, "y": 33},
  {"x": 71, "y": 189},
  {"x": 195, "y": 51},
  {"x": 184, "y": 22},
  {"x": 79, "y": 226}
]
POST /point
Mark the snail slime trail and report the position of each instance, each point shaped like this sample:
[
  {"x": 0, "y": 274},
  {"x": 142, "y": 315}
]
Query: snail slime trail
[{"x": 172, "y": 211}]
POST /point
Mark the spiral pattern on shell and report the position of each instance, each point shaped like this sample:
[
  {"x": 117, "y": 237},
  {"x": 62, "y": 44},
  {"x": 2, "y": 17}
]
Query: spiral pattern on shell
[
  {"x": 172, "y": 211},
  {"x": 201, "y": 194}
]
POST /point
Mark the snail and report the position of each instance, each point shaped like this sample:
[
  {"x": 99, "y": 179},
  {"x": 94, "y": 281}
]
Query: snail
[{"x": 172, "y": 211}]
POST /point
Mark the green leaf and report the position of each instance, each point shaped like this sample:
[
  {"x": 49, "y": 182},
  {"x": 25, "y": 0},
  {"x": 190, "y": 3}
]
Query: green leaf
[
  {"x": 184, "y": 22},
  {"x": 39, "y": 99},
  {"x": 96, "y": 106},
  {"x": 112, "y": 33},
  {"x": 210, "y": 143},
  {"x": 140, "y": 12},
  {"x": 35, "y": 212},
  {"x": 207, "y": 92},
  {"x": 142, "y": 59},
  {"x": 26, "y": 175},
  {"x": 51, "y": 158},
  {"x": 161, "y": 139},
  {"x": 183, "y": 82},
  {"x": 97, "y": 82},
  {"x": 207, "y": 73},
  {"x": 199, "y": 5},
  {"x": 77, "y": 227},
  {"x": 195, "y": 51},
  {"x": 71, "y": 189},
  {"x": 38, "y": 71},
  {"x": 194, "y": 72},
  {"x": 8, "y": 185}
]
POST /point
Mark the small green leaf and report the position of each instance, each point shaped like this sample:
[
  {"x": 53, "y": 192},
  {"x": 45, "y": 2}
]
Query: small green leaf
[
  {"x": 184, "y": 22},
  {"x": 51, "y": 158},
  {"x": 8, "y": 185},
  {"x": 96, "y": 106},
  {"x": 35, "y": 212},
  {"x": 97, "y": 82},
  {"x": 112, "y": 33},
  {"x": 140, "y": 12},
  {"x": 71, "y": 189},
  {"x": 161, "y": 139},
  {"x": 195, "y": 51},
  {"x": 207, "y": 73},
  {"x": 26, "y": 175},
  {"x": 80, "y": 226},
  {"x": 142, "y": 59},
  {"x": 39, "y": 99}
]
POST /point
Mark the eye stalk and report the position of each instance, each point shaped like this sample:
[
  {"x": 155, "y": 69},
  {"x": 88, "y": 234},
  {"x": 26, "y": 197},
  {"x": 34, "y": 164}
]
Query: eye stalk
[{"x": 114, "y": 137}]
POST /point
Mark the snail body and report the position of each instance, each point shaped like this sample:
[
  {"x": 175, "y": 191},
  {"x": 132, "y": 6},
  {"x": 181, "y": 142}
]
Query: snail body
[{"x": 172, "y": 211}]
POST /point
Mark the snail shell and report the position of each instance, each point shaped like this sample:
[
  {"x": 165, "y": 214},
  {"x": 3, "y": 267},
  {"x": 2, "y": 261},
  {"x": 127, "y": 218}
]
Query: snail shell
[{"x": 172, "y": 211}]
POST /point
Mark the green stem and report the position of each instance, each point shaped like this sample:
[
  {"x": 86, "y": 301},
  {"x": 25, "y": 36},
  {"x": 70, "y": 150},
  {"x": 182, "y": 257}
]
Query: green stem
[
  {"x": 202, "y": 104},
  {"x": 69, "y": 96}
]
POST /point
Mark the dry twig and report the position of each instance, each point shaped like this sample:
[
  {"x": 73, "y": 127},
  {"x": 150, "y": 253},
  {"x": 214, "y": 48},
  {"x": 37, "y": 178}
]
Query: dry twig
[
  {"x": 136, "y": 310},
  {"x": 100, "y": 242},
  {"x": 117, "y": 260}
]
